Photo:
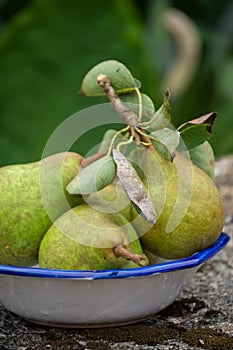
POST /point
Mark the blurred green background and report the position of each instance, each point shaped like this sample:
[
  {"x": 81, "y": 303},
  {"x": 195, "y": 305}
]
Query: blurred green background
[{"x": 47, "y": 46}]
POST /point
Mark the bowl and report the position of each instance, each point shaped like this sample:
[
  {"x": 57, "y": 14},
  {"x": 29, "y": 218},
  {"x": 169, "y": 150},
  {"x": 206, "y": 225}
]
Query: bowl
[{"x": 68, "y": 298}]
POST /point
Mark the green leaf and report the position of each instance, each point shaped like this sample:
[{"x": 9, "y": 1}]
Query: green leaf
[
  {"x": 131, "y": 100},
  {"x": 207, "y": 119},
  {"x": 162, "y": 116},
  {"x": 167, "y": 140},
  {"x": 196, "y": 131},
  {"x": 138, "y": 84},
  {"x": 120, "y": 77},
  {"x": 203, "y": 157},
  {"x": 194, "y": 135},
  {"x": 134, "y": 187},
  {"x": 162, "y": 149},
  {"x": 107, "y": 138},
  {"x": 169, "y": 137},
  {"x": 94, "y": 177}
]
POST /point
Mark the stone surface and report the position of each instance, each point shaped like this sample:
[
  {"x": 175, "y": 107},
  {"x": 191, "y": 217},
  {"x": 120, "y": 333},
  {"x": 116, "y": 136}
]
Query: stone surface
[{"x": 200, "y": 318}]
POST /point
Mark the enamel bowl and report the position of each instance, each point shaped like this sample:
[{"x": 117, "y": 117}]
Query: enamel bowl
[{"x": 66, "y": 298}]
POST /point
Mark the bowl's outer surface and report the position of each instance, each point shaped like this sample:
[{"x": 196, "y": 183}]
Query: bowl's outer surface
[
  {"x": 98, "y": 298},
  {"x": 71, "y": 302}
]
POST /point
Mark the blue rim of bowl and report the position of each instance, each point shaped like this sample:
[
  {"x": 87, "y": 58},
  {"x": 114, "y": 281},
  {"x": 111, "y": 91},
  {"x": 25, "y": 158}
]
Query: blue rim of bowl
[{"x": 173, "y": 265}]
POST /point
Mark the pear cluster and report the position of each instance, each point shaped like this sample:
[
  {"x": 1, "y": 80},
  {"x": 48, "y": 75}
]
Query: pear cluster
[
  {"x": 148, "y": 192},
  {"x": 103, "y": 230}
]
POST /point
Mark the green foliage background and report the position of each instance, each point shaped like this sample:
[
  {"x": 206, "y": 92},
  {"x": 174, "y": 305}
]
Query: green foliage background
[{"x": 47, "y": 46}]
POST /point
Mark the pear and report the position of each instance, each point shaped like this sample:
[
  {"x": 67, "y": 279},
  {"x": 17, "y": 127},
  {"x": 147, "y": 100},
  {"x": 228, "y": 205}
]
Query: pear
[
  {"x": 31, "y": 197},
  {"x": 86, "y": 239},
  {"x": 188, "y": 206},
  {"x": 111, "y": 199}
]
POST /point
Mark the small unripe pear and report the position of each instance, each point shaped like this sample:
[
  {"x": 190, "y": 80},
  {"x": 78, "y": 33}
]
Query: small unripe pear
[{"x": 111, "y": 199}]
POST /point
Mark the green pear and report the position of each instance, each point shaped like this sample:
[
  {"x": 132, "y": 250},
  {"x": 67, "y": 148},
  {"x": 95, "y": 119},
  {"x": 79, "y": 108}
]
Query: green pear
[
  {"x": 86, "y": 239},
  {"x": 32, "y": 196},
  {"x": 188, "y": 206},
  {"x": 111, "y": 198}
]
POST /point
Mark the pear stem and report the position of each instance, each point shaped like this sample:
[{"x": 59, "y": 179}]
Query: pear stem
[
  {"x": 140, "y": 260},
  {"x": 140, "y": 104},
  {"x": 123, "y": 143},
  {"x": 125, "y": 113},
  {"x": 87, "y": 161},
  {"x": 114, "y": 138}
]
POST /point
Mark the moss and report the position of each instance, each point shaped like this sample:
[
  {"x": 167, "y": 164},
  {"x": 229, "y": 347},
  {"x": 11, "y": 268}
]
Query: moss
[
  {"x": 141, "y": 334},
  {"x": 208, "y": 339},
  {"x": 152, "y": 335}
]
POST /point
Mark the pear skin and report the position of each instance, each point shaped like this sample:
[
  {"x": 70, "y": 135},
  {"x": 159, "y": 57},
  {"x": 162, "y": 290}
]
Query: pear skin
[
  {"x": 85, "y": 239},
  {"x": 188, "y": 204},
  {"x": 111, "y": 198},
  {"x": 24, "y": 215}
]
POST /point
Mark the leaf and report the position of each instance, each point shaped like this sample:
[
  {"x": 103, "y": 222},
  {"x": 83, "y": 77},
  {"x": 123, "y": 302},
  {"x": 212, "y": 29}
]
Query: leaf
[
  {"x": 196, "y": 131},
  {"x": 195, "y": 135},
  {"x": 94, "y": 177},
  {"x": 131, "y": 100},
  {"x": 207, "y": 119},
  {"x": 120, "y": 77},
  {"x": 171, "y": 138},
  {"x": 162, "y": 149},
  {"x": 107, "y": 138},
  {"x": 134, "y": 187},
  {"x": 167, "y": 140},
  {"x": 124, "y": 112},
  {"x": 138, "y": 84},
  {"x": 162, "y": 116},
  {"x": 203, "y": 157}
]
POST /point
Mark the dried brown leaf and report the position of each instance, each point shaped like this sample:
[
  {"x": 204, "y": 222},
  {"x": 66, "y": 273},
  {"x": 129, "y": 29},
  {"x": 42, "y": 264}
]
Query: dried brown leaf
[{"x": 134, "y": 187}]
